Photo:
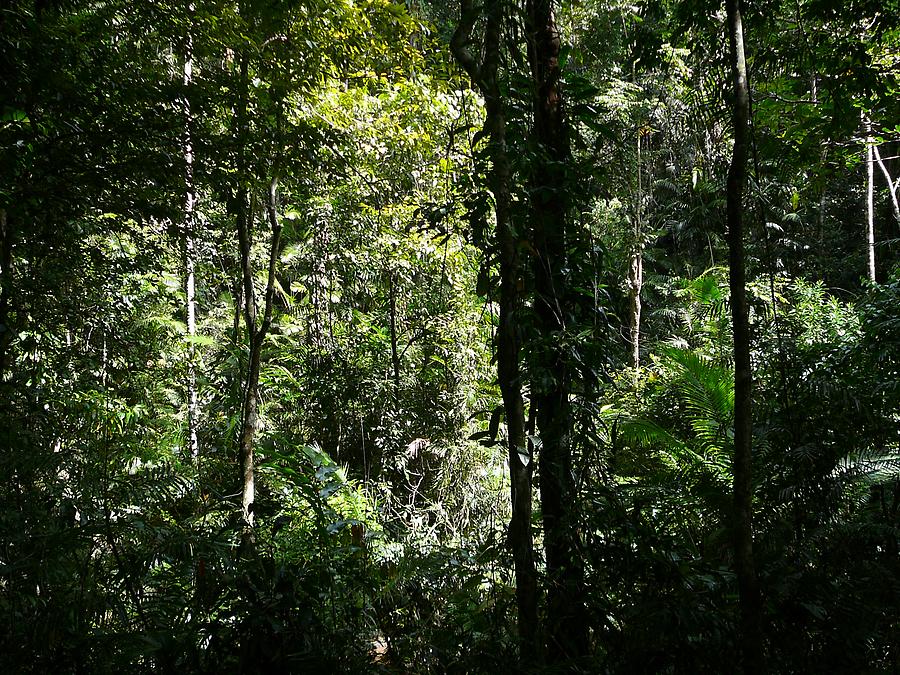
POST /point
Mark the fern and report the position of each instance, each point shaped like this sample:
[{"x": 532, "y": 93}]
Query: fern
[{"x": 699, "y": 464}]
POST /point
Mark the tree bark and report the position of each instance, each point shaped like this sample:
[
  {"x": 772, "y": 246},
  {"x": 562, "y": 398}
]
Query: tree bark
[
  {"x": 190, "y": 206},
  {"x": 244, "y": 218},
  {"x": 256, "y": 334},
  {"x": 751, "y": 640},
  {"x": 251, "y": 384},
  {"x": 256, "y": 338},
  {"x": 395, "y": 352},
  {"x": 6, "y": 281},
  {"x": 636, "y": 271},
  {"x": 870, "y": 201},
  {"x": 484, "y": 76},
  {"x": 823, "y": 155},
  {"x": 567, "y": 637}
]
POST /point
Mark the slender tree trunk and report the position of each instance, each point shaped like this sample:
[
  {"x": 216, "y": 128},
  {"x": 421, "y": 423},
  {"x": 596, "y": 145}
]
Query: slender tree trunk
[
  {"x": 509, "y": 376},
  {"x": 244, "y": 217},
  {"x": 190, "y": 206},
  {"x": 751, "y": 639},
  {"x": 870, "y": 201},
  {"x": 484, "y": 76},
  {"x": 6, "y": 280},
  {"x": 250, "y": 404},
  {"x": 636, "y": 282},
  {"x": 636, "y": 271},
  {"x": 395, "y": 352},
  {"x": 256, "y": 338},
  {"x": 567, "y": 637},
  {"x": 256, "y": 330},
  {"x": 823, "y": 155},
  {"x": 238, "y": 307}
]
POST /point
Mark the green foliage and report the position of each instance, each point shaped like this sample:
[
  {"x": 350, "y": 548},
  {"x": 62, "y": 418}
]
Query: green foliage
[
  {"x": 382, "y": 494},
  {"x": 827, "y": 471}
]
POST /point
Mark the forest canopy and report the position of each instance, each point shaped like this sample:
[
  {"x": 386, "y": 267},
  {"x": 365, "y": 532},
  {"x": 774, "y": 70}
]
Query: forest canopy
[{"x": 450, "y": 336}]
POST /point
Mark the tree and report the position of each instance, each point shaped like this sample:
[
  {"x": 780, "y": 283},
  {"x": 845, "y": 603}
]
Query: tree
[
  {"x": 189, "y": 225},
  {"x": 869, "y": 159},
  {"x": 484, "y": 75},
  {"x": 636, "y": 266},
  {"x": 256, "y": 335},
  {"x": 751, "y": 639},
  {"x": 6, "y": 281},
  {"x": 567, "y": 636}
]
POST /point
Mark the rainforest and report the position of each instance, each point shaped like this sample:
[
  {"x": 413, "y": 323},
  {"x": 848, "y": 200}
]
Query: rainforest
[{"x": 450, "y": 336}]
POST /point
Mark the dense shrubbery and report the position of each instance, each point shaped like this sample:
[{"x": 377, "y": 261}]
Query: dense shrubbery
[{"x": 827, "y": 494}]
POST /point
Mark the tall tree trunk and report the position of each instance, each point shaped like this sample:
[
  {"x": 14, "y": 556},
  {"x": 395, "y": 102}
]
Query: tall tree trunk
[
  {"x": 190, "y": 206},
  {"x": 6, "y": 281},
  {"x": 509, "y": 376},
  {"x": 238, "y": 308},
  {"x": 244, "y": 217},
  {"x": 256, "y": 331},
  {"x": 251, "y": 384},
  {"x": 256, "y": 338},
  {"x": 870, "y": 200},
  {"x": 823, "y": 155},
  {"x": 636, "y": 271},
  {"x": 567, "y": 637},
  {"x": 751, "y": 640},
  {"x": 395, "y": 351},
  {"x": 484, "y": 76}
]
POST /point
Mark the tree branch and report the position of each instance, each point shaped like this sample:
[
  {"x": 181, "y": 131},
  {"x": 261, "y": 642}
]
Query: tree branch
[
  {"x": 461, "y": 41},
  {"x": 273, "y": 255},
  {"x": 892, "y": 185},
  {"x": 245, "y": 219}
]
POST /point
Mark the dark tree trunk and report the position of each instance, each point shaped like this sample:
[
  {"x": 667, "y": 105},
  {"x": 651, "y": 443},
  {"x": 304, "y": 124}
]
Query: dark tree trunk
[
  {"x": 256, "y": 338},
  {"x": 256, "y": 330},
  {"x": 748, "y": 586},
  {"x": 567, "y": 637},
  {"x": 484, "y": 76},
  {"x": 395, "y": 351},
  {"x": 6, "y": 281},
  {"x": 245, "y": 219},
  {"x": 509, "y": 376}
]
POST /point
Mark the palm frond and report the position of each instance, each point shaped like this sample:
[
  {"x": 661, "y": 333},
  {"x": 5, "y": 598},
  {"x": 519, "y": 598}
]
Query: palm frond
[{"x": 707, "y": 390}]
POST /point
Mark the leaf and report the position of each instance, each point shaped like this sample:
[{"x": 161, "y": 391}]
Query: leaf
[
  {"x": 201, "y": 340},
  {"x": 494, "y": 425},
  {"x": 14, "y": 115}
]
